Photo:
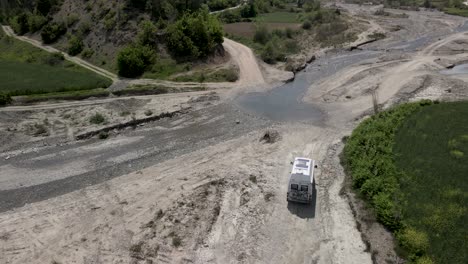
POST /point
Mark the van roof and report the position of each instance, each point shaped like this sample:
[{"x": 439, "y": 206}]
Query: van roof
[
  {"x": 302, "y": 170},
  {"x": 302, "y": 166}
]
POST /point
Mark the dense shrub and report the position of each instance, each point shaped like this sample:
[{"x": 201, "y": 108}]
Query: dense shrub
[
  {"x": 249, "y": 10},
  {"x": 262, "y": 34},
  {"x": 133, "y": 60},
  {"x": 36, "y": 22},
  {"x": 20, "y": 24},
  {"x": 5, "y": 99},
  {"x": 194, "y": 35},
  {"x": 306, "y": 25},
  {"x": 52, "y": 32},
  {"x": 75, "y": 46},
  {"x": 370, "y": 158},
  {"x": 87, "y": 53},
  {"x": 216, "y": 5},
  {"x": 97, "y": 119},
  {"x": 147, "y": 35},
  {"x": 231, "y": 16},
  {"x": 44, "y": 6}
]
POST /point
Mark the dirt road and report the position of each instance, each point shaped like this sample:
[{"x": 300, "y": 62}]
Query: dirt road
[{"x": 202, "y": 188}]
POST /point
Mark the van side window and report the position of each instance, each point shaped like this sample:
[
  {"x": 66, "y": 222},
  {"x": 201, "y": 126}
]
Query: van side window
[
  {"x": 304, "y": 188},
  {"x": 294, "y": 187}
]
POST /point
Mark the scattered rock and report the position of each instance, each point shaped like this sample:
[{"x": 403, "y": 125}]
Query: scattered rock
[
  {"x": 450, "y": 66},
  {"x": 271, "y": 136},
  {"x": 237, "y": 121}
]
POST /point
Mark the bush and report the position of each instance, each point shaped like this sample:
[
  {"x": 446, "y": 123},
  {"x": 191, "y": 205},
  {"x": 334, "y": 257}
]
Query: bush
[
  {"x": 176, "y": 241},
  {"x": 44, "y": 6},
  {"x": 72, "y": 19},
  {"x": 231, "y": 16},
  {"x": 133, "y": 60},
  {"x": 52, "y": 32},
  {"x": 20, "y": 24},
  {"x": 147, "y": 35},
  {"x": 262, "y": 35},
  {"x": 194, "y": 35},
  {"x": 249, "y": 10},
  {"x": 415, "y": 241},
  {"x": 5, "y": 99},
  {"x": 103, "y": 135},
  {"x": 36, "y": 22},
  {"x": 87, "y": 53},
  {"x": 75, "y": 46},
  {"x": 97, "y": 119}
]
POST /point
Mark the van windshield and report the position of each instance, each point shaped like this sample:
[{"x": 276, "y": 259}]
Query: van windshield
[
  {"x": 304, "y": 188},
  {"x": 294, "y": 187}
]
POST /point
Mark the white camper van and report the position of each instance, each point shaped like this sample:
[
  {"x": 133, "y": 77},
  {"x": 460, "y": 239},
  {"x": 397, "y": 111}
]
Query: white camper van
[{"x": 301, "y": 180}]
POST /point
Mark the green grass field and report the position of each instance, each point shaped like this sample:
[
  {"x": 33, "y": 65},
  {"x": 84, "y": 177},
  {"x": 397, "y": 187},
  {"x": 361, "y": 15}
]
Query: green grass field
[
  {"x": 410, "y": 164},
  {"x": 456, "y": 11},
  {"x": 278, "y": 17},
  {"x": 431, "y": 148},
  {"x": 26, "y": 70}
]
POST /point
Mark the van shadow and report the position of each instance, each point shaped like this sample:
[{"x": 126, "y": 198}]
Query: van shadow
[{"x": 304, "y": 211}]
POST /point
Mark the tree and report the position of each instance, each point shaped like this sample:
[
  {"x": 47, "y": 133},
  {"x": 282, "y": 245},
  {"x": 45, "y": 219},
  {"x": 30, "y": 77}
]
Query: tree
[
  {"x": 194, "y": 35},
  {"x": 52, "y": 31},
  {"x": 75, "y": 46},
  {"x": 133, "y": 60},
  {"x": 249, "y": 10},
  {"x": 43, "y": 6},
  {"x": 147, "y": 35},
  {"x": 20, "y": 24}
]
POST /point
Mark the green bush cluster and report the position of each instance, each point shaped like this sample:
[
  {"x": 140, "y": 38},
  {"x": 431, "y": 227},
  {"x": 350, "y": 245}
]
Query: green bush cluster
[
  {"x": 27, "y": 22},
  {"x": 249, "y": 11},
  {"x": 401, "y": 162},
  {"x": 369, "y": 159},
  {"x": 194, "y": 36},
  {"x": 5, "y": 99},
  {"x": 275, "y": 44},
  {"x": 75, "y": 45},
  {"x": 52, "y": 32},
  {"x": 133, "y": 60},
  {"x": 216, "y": 5}
]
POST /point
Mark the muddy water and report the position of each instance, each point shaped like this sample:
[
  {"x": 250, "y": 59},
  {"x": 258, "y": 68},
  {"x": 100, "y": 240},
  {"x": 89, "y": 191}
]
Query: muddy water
[{"x": 285, "y": 103}]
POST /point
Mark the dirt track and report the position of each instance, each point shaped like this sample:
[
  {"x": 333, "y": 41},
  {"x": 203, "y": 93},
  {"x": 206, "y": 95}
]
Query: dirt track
[{"x": 206, "y": 178}]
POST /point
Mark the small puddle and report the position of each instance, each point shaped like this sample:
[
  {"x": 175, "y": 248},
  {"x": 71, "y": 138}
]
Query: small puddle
[
  {"x": 284, "y": 103},
  {"x": 458, "y": 69}
]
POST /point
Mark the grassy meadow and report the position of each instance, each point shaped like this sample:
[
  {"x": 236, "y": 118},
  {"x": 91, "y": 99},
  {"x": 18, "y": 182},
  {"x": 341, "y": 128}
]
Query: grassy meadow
[
  {"x": 410, "y": 164},
  {"x": 26, "y": 70},
  {"x": 431, "y": 148}
]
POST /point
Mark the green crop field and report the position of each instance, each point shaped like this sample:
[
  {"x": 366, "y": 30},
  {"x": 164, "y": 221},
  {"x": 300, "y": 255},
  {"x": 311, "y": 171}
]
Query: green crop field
[
  {"x": 431, "y": 148},
  {"x": 279, "y": 17},
  {"x": 410, "y": 163},
  {"x": 26, "y": 70},
  {"x": 456, "y": 11}
]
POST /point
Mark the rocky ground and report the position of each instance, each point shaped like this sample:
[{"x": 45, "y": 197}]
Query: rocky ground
[{"x": 203, "y": 186}]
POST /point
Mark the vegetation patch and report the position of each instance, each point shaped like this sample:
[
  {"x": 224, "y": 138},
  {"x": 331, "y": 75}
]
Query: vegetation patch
[
  {"x": 407, "y": 163},
  {"x": 279, "y": 17},
  {"x": 154, "y": 89},
  {"x": 221, "y": 75},
  {"x": 277, "y": 34},
  {"x": 71, "y": 95},
  {"x": 26, "y": 70},
  {"x": 456, "y": 11}
]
